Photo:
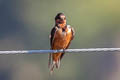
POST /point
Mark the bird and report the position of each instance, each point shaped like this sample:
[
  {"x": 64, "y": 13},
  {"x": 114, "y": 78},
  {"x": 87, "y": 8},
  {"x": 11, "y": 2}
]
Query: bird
[{"x": 60, "y": 38}]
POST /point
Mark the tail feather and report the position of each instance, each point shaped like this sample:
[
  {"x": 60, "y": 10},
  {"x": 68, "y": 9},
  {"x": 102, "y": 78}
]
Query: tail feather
[
  {"x": 52, "y": 67},
  {"x": 57, "y": 63},
  {"x": 50, "y": 60},
  {"x": 52, "y": 63}
]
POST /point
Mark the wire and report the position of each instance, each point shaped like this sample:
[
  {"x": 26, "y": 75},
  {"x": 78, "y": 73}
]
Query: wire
[{"x": 55, "y": 51}]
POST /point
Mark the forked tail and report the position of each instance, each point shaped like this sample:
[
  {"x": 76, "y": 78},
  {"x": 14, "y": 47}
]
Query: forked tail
[{"x": 53, "y": 63}]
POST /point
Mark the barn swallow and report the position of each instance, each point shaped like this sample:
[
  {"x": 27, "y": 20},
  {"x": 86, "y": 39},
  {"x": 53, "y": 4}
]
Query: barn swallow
[{"x": 60, "y": 38}]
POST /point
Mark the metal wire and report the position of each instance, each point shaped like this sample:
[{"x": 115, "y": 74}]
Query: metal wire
[{"x": 55, "y": 51}]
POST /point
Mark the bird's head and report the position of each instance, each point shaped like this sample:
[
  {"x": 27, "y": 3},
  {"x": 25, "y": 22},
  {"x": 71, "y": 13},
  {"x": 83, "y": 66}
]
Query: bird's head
[{"x": 60, "y": 19}]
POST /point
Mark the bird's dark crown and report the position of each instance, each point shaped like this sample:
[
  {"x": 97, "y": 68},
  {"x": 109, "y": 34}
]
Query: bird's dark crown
[{"x": 58, "y": 16}]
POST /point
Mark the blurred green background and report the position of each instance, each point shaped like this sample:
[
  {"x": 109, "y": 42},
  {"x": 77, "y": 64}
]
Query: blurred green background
[{"x": 26, "y": 24}]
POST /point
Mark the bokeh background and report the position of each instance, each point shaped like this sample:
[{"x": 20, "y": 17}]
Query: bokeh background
[{"x": 26, "y": 24}]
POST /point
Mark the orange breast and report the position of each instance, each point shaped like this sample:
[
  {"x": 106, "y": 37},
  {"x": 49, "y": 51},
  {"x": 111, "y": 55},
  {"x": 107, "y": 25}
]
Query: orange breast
[{"x": 62, "y": 39}]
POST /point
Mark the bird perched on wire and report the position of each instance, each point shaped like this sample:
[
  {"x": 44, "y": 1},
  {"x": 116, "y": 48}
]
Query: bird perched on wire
[{"x": 60, "y": 38}]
